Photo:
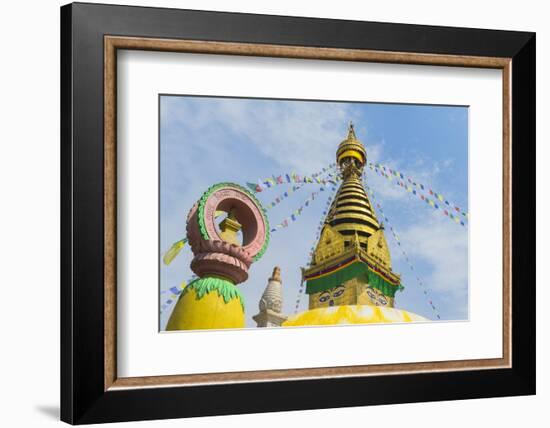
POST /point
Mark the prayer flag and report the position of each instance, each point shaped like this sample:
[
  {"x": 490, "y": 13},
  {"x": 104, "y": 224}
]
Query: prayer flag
[
  {"x": 253, "y": 187},
  {"x": 173, "y": 251}
]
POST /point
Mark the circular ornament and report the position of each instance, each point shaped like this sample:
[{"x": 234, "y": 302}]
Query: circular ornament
[{"x": 246, "y": 209}]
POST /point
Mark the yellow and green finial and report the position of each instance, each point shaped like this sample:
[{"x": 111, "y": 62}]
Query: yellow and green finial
[{"x": 351, "y": 149}]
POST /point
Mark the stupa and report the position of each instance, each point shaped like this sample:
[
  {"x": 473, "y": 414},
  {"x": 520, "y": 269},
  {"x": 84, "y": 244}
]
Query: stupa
[
  {"x": 350, "y": 278},
  {"x": 271, "y": 303}
]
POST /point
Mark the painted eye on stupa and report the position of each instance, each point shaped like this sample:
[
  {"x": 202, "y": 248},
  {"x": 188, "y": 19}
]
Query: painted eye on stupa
[
  {"x": 371, "y": 293},
  {"x": 324, "y": 297},
  {"x": 338, "y": 292}
]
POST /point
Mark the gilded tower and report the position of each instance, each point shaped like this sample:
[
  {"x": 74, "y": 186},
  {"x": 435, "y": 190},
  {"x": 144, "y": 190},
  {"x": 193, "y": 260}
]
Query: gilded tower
[{"x": 351, "y": 264}]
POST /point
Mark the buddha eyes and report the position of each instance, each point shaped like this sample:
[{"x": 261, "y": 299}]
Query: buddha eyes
[
  {"x": 339, "y": 291},
  {"x": 377, "y": 298},
  {"x": 327, "y": 296},
  {"x": 324, "y": 297}
]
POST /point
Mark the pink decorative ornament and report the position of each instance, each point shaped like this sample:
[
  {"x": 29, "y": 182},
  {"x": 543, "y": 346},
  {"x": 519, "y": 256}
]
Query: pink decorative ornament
[{"x": 213, "y": 255}]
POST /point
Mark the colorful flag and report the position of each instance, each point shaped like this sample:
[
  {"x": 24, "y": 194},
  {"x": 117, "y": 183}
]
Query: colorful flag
[{"x": 174, "y": 251}]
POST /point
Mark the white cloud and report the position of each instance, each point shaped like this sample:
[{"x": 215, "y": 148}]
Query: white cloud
[
  {"x": 301, "y": 136},
  {"x": 443, "y": 245}
]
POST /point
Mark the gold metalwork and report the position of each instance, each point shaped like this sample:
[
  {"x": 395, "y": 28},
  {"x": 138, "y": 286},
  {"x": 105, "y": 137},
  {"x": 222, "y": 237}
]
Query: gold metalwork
[
  {"x": 352, "y": 153},
  {"x": 351, "y": 146},
  {"x": 378, "y": 249},
  {"x": 351, "y": 230},
  {"x": 229, "y": 229},
  {"x": 331, "y": 244}
]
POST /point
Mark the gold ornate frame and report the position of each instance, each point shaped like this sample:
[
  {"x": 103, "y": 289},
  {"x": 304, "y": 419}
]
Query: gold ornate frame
[{"x": 114, "y": 43}]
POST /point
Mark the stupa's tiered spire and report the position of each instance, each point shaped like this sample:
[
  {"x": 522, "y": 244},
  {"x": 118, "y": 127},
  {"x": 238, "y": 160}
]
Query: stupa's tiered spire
[
  {"x": 351, "y": 211},
  {"x": 351, "y": 263}
]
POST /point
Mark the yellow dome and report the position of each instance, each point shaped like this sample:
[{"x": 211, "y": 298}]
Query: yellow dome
[{"x": 351, "y": 314}]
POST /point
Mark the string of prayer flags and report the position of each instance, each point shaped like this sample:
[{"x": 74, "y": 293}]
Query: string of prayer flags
[
  {"x": 315, "y": 240},
  {"x": 322, "y": 222},
  {"x": 294, "y": 215},
  {"x": 283, "y": 196},
  {"x": 418, "y": 185},
  {"x": 405, "y": 255},
  {"x": 315, "y": 178},
  {"x": 448, "y": 209},
  {"x": 174, "y": 292},
  {"x": 299, "y": 298}
]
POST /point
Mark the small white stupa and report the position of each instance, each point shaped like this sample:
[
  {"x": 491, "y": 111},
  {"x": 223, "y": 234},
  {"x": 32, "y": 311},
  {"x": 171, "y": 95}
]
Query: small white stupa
[{"x": 271, "y": 303}]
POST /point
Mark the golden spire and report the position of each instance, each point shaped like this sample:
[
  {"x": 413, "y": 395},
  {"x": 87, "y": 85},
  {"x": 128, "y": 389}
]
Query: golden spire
[
  {"x": 351, "y": 132},
  {"x": 351, "y": 258},
  {"x": 351, "y": 212}
]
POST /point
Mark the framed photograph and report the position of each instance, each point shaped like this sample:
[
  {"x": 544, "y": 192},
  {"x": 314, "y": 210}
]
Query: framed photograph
[{"x": 266, "y": 213}]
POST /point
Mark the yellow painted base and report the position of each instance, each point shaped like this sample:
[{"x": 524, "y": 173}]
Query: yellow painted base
[
  {"x": 210, "y": 312},
  {"x": 351, "y": 314}
]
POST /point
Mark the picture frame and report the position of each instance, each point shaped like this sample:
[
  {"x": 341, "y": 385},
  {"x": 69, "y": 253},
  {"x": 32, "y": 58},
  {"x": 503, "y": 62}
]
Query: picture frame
[{"x": 91, "y": 391}]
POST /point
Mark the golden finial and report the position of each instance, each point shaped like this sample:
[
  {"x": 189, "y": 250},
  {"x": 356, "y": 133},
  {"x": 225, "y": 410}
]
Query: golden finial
[
  {"x": 351, "y": 148},
  {"x": 229, "y": 228},
  {"x": 351, "y": 131}
]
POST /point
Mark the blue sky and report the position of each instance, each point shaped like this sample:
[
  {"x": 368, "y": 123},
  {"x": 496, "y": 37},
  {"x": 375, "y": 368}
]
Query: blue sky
[{"x": 205, "y": 140}]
